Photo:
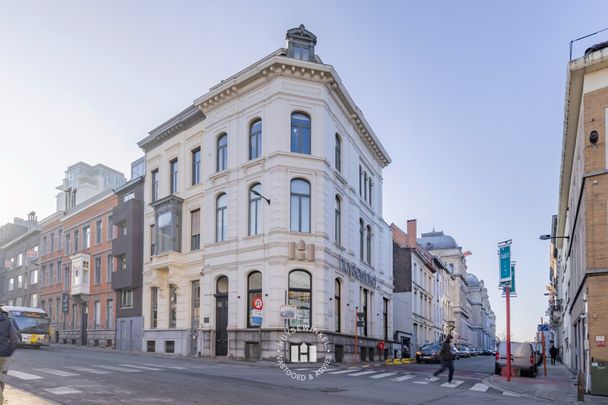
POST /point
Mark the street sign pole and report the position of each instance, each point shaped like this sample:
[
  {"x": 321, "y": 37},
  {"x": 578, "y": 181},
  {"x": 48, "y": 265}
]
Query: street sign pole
[{"x": 508, "y": 294}]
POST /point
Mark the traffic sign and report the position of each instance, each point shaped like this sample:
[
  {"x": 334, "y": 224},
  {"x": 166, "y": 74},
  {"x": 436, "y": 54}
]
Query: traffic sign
[
  {"x": 360, "y": 319},
  {"x": 288, "y": 312},
  {"x": 258, "y": 303},
  {"x": 543, "y": 327},
  {"x": 504, "y": 255}
]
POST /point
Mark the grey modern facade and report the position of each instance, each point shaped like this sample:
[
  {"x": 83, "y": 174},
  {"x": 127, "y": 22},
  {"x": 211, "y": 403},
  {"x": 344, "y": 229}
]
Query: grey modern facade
[
  {"x": 127, "y": 250},
  {"x": 19, "y": 266}
]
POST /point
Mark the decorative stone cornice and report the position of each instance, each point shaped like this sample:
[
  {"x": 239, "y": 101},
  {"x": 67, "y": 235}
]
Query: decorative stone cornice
[
  {"x": 182, "y": 121},
  {"x": 276, "y": 65}
]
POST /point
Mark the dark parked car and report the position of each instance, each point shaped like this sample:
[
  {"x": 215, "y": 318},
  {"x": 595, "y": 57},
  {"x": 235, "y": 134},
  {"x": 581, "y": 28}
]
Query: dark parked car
[
  {"x": 428, "y": 353},
  {"x": 465, "y": 351}
]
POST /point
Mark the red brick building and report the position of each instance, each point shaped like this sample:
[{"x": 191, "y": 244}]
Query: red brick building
[{"x": 79, "y": 297}]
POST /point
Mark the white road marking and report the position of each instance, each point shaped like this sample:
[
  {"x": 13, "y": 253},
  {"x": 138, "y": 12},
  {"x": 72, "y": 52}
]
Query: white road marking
[
  {"x": 163, "y": 366},
  {"x": 141, "y": 367},
  {"x": 127, "y": 370},
  {"x": 362, "y": 373},
  {"x": 511, "y": 394},
  {"x": 382, "y": 375},
  {"x": 344, "y": 371},
  {"x": 23, "y": 376},
  {"x": 403, "y": 377},
  {"x": 89, "y": 370},
  {"x": 433, "y": 379},
  {"x": 420, "y": 382},
  {"x": 454, "y": 384},
  {"x": 62, "y": 390},
  {"x": 56, "y": 372},
  {"x": 479, "y": 387}
]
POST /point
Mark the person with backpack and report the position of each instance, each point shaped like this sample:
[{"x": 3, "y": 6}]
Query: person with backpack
[
  {"x": 9, "y": 337},
  {"x": 445, "y": 355}
]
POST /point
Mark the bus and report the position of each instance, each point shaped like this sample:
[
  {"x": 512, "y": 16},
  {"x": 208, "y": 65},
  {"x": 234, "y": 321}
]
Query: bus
[{"x": 32, "y": 324}]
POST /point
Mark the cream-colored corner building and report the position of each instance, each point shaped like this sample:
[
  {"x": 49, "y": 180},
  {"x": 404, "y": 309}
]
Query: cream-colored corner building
[
  {"x": 579, "y": 283},
  {"x": 269, "y": 186}
]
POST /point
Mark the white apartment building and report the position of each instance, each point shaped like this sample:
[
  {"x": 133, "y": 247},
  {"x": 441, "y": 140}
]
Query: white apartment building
[{"x": 267, "y": 187}]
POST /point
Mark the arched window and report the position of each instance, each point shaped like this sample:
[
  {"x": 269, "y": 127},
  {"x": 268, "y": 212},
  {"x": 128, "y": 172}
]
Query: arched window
[
  {"x": 300, "y": 296},
  {"x": 254, "y": 291},
  {"x": 255, "y": 139},
  {"x": 221, "y": 286},
  {"x": 255, "y": 209},
  {"x": 220, "y": 217},
  {"x": 369, "y": 245},
  {"x": 337, "y": 305},
  {"x": 361, "y": 240},
  {"x": 300, "y": 205},
  {"x": 338, "y": 221},
  {"x": 222, "y": 152},
  {"x": 300, "y": 133},
  {"x": 338, "y": 156}
]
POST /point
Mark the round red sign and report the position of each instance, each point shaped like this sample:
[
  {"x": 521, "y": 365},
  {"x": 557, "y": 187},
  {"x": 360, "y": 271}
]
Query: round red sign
[{"x": 258, "y": 303}]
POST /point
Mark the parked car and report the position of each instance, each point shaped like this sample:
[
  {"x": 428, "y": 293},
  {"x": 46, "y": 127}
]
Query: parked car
[
  {"x": 487, "y": 352},
  {"x": 455, "y": 353},
  {"x": 523, "y": 357},
  {"x": 464, "y": 351},
  {"x": 428, "y": 353}
]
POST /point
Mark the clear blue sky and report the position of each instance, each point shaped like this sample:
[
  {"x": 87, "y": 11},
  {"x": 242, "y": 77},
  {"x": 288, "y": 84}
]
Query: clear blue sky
[{"x": 466, "y": 95}]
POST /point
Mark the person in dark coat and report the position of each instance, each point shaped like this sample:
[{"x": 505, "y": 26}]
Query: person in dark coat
[
  {"x": 445, "y": 355},
  {"x": 8, "y": 342},
  {"x": 553, "y": 352}
]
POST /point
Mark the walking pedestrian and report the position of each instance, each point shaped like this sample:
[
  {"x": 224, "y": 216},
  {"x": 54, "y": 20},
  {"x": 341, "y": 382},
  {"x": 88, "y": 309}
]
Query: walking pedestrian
[
  {"x": 553, "y": 352},
  {"x": 8, "y": 342},
  {"x": 445, "y": 355}
]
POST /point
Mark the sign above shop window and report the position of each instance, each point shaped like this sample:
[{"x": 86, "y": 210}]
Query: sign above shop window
[{"x": 356, "y": 273}]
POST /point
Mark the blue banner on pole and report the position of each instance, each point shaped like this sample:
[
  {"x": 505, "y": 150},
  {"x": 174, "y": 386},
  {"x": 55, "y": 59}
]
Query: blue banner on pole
[
  {"x": 504, "y": 254},
  {"x": 512, "y": 291}
]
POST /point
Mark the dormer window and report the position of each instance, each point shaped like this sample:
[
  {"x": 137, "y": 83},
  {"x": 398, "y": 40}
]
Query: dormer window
[{"x": 301, "y": 44}]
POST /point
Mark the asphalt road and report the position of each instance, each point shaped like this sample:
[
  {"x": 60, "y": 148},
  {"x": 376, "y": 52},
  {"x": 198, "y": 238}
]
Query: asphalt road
[{"x": 72, "y": 375}]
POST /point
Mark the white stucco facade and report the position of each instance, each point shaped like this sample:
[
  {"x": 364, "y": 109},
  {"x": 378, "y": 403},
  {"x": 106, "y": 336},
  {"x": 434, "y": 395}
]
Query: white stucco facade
[{"x": 272, "y": 90}]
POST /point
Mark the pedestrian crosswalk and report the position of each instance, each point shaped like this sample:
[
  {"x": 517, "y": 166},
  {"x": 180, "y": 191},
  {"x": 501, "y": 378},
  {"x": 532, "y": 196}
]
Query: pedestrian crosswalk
[{"x": 420, "y": 379}]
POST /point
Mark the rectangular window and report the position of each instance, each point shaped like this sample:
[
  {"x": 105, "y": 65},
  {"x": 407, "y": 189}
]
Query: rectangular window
[
  {"x": 126, "y": 298},
  {"x": 196, "y": 304},
  {"x": 76, "y": 237},
  {"x": 43, "y": 276},
  {"x": 59, "y": 239},
  {"x": 195, "y": 229},
  {"x": 59, "y": 271},
  {"x": 173, "y": 180},
  {"x": 86, "y": 237},
  {"x": 45, "y": 247},
  {"x": 34, "y": 277},
  {"x": 109, "y": 314},
  {"x": 66, "y": 277},
  {"x": 58, "y": 308},
  {"x": 52, "y": 242},
  {"x": 20, "y": 260},
  {"x": 122, "y": 263},
  {"x": 123, "y": 229},
  {"x": 11, "y": 284},
  {"x": 109, "y": 267},
  {"x": 98, "y": 270},
  {"x": 152, "y": 241},
  {"x": 74, "y": 318},
  {"x": 196, "y": 166},
  {"x": 98, "y": 231},
  {"x": 128, "y": 196},
  {"x": 172, "y": 305},
  {"x": 97, "y": 314},
  {"x": 110, "y": 228},
  {"x": 34, "y": 300},
  {"x": 51, "y": 274},
  {"x": 165, "y": 232},
  {"x": 19, "y": 281},
  {"x": 154, "y": 185},
  {"x": 154, "y": 307},
  {"x": 67, "y": 244},
  {"x": 385, "y": 317}
]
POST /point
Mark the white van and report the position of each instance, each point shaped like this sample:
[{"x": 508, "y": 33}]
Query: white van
[{"x": 523, "y": 357}]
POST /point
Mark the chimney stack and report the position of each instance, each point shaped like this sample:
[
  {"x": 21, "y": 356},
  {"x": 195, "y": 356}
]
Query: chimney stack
[{"x": 411, "y": 233}]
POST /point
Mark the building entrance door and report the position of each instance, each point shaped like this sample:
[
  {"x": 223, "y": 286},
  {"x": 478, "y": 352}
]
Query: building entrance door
[
  {"x": 125, "y": 335},
  {"x": 221, "y": 325},
  {"x": 83, "y": 325}
]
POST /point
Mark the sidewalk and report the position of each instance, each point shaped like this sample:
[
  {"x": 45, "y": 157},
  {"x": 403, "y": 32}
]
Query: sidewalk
[
  {"x": 14, "y": 396},
  {"x": 557, "y": 385}
]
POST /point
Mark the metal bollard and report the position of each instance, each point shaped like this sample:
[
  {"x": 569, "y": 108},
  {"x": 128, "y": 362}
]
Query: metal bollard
[{"x": 580, "y": 394}]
